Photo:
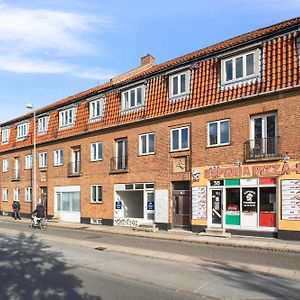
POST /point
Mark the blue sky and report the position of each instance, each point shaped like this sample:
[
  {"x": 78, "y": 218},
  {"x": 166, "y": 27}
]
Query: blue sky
[{"x": 51, "y": 49}]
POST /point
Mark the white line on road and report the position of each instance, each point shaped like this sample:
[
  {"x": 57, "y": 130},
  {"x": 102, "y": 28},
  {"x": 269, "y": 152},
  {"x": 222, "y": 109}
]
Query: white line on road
[{"x": 205, "y": 285}]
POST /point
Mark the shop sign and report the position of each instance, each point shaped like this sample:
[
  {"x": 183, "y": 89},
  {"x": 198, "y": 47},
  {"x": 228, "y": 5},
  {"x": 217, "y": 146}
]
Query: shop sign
[
  {"x": 253, "y": 171},
  {"x": 119, "y": 205},
  {"x": 290, "y": 199},
  {"x": 199, "y": 200},
  {"x": 150, "y": 205},
  {"x": 249, "y": 200}
]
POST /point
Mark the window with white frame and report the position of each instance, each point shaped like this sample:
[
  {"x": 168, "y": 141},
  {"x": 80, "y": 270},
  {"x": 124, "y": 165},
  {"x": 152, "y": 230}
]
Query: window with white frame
[
  {"x": 22, "y": 131},
  {"x": 218, "y": 133},
  {"x": 179, "y": 84},
  {"x": 96, "y": 194},
  {"x": 180, "y": 139},
  {"x": 28, "y": 161},
  {"x": 96, "y": 151},
  {"x": 43, "y": 124},
  {"x": 240, "y": 67},
  {"x": 28, "y": 194},
  {"x": 5, "y": 194},
  {"x": 67, "y": 117},
  {"x": 43, "y": 159},
  {"x": 96, "y": 108},
  {"x": 58, "y": 157},
  {"x": 4, "y": 165},
  {"x": 16, "y": 194},
  {"x": 5, "y": 135},
  {"x": 133, "y": 98},
  {"x": 146, "y": 143}
]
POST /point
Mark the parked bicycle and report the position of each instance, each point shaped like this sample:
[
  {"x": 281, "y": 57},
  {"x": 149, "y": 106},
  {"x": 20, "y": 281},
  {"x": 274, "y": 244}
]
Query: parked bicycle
[{"x": 40, "y": 224}]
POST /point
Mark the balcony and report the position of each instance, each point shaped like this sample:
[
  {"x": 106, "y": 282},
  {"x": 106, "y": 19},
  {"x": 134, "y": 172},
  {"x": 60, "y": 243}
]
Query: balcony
[
  {"x": 16, "y": 175},
  {"x": 262, "y": 149},
  {"x": 74, "y": 169},
  {"x": 119, "y": 164}
]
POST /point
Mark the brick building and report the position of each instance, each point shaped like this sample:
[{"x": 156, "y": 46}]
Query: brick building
[{"x": 206, "y": 140}]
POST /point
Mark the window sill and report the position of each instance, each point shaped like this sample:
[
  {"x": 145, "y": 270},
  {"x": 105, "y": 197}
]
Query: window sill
[
  {"x": 179, "y": 96},
  {"x": 146, "y": 154},
  {"x": 217, "y": 146},
  {"x": 241, "y": 81},
  {"x": 95, "y": 160},
  {"x": 100, "y": 202},
  {"x": 133, "y": 109},
  {"x": 179, "y": 150},
  {"x": 95, "y": 119}
]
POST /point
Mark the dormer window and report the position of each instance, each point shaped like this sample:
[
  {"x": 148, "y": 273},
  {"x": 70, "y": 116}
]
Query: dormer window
[
  {"x": 240, "y": 67},
  {"x": 67, "y": 117},
  {"x": 96, "y": 108},
  {"x": 179, "y": 84},
  {"x": 5, "y": 135},
  {"x": 22, "y": 131},
  {"x": 43, "y": 124},
  {"x": 133, "y": 98}
]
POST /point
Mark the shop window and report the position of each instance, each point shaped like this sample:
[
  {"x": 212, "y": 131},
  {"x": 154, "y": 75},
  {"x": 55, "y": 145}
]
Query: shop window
[
  {"x": 233, "y": 206},
  {"x": 267, "y": 210}
]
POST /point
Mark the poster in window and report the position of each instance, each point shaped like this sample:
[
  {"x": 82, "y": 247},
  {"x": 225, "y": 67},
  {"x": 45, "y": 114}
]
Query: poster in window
[{"x": 249, "y": 199}]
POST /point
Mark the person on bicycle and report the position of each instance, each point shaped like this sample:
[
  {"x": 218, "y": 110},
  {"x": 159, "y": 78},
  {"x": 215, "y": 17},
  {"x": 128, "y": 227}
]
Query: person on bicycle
[{"x": 38, "y": 213}]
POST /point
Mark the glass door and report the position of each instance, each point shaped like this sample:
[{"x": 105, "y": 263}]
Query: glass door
[
  {"x": 122, "y": 154},
  {"x": 216, "y": 207},
  {"x": 249, "y": 207}
]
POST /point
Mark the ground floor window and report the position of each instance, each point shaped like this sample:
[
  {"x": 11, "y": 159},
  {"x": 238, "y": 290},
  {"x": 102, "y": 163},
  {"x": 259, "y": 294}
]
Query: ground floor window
[
  {"x": 68, "y": 201},
  {"x": 134, "y": 201}
]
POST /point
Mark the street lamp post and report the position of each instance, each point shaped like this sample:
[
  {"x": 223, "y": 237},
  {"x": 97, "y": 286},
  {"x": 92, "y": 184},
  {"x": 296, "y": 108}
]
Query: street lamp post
[{"x": 30, "y": 106}]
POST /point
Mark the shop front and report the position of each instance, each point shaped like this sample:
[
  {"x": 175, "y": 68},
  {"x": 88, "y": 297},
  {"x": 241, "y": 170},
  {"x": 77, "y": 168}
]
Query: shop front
[{"x": 248, "y": 199}]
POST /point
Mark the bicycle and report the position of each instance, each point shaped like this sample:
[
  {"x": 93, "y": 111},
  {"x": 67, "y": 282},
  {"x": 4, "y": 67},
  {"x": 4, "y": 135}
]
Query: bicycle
[{"x": 41, "y": 224}]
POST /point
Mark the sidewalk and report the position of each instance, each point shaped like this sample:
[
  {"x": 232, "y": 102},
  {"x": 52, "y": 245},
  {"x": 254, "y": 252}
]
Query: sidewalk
[{"x": 270, "y": 244}]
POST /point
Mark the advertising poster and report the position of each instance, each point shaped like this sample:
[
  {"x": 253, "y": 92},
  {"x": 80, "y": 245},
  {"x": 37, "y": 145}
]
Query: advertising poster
[
  {"x": 290, "y": 199},
  {"x": 199, "y": 200}
]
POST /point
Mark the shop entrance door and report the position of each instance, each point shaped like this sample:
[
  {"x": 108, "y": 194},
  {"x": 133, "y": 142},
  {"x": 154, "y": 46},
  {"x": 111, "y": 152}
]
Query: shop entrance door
[
  {"x": 181, "y": 209},
  {"x": 216, "y": 208}
]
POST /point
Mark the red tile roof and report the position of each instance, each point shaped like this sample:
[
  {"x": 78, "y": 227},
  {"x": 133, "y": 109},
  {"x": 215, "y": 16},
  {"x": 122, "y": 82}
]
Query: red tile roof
[{"x": 280, "y": 70}]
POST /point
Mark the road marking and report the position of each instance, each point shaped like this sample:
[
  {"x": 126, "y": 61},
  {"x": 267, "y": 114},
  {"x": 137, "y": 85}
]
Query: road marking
[{"x": 205, "y": 285}]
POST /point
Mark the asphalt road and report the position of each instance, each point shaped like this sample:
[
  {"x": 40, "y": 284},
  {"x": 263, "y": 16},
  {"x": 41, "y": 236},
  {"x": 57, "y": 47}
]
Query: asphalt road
[
  {"x": 205, "y": 252},
  {"x": 34, "y": 267}
]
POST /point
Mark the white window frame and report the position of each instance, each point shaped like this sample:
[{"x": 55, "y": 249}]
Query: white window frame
[
  {"x": 96, "y": 108},
  {"x": 147, "y": 135},
  {"x": 97, "y": 186},
  {"x": 218, "y": 133},
  {"x": 28, "y": 194},
  {"x": 180, "y": 129},
  {"x": 43, "y": 159},
  {"x": 58, "y": 157},
  {"x": 5, "y": 132},
  {"x": 256, "y": 67},
  {"x": 180, "y": 93},
  {"x": 28, "y": 161},
  {"x": 95, "y": 153},
  {"x": 16, "y": 194},
  {"x": 264, "y": 122},
  {"x": 22, "y": 131},
  {"x": 4, "y": 194},
  {"x": 43, "y": 124},
  {"x": 5, "y": 165},
  {"x": 67, "y": 117},
  {"x": 126, "y": 101}
]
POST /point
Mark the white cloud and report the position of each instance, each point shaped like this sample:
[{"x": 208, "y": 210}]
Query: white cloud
[{"x": 44, "y": 41}]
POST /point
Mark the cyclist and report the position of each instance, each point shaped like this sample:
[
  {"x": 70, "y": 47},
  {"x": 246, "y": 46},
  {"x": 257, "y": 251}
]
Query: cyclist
[{"x": 38, "y": 213}]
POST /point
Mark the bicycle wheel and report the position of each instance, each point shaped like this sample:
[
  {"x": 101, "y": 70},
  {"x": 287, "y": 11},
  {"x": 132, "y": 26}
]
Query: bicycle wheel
[
  {"x": 31, "y": 225},
  {"x": 43, "y": 225}
]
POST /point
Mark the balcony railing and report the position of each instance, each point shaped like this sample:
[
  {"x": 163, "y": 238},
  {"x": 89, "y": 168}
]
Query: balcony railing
[
  {"x": 119, "y": 164},
  {"x": 74, "y": 169},
  {"x": 262, "y": 148},
  {"x": 16, "y": 174}
]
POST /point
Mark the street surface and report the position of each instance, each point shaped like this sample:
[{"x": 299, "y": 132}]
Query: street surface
[{"x": 60, "y": 264}]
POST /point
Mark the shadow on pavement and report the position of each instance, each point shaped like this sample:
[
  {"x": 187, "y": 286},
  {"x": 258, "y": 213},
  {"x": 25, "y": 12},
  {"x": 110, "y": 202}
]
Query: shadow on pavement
[
  {"x": 31, "y": 270},
  {"x": 270, "y": 286}
]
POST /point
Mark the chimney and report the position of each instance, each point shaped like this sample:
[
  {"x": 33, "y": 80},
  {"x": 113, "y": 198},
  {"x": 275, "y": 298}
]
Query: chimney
[{"x": 147, "y": 60}]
